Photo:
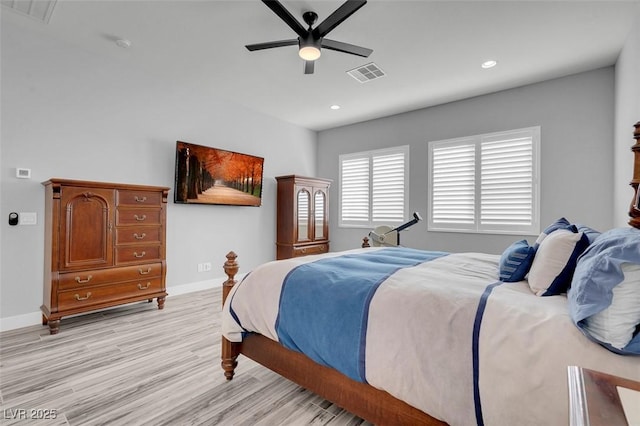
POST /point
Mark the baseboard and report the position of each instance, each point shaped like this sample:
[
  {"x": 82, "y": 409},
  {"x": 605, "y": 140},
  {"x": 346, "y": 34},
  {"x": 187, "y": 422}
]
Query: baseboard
[
  {"x": 20, "y": 321},
  {"x": 35, "y": 318},
  {"x": 195, "y": 286}
]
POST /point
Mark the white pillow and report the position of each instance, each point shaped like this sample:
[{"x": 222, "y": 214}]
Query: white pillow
[
  {"x": 555, "y": 261},
  {"x": 617, "y": 323}
]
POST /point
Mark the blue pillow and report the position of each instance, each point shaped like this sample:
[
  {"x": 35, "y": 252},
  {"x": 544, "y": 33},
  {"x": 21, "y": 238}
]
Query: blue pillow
[
  {"x": 591, "y": 233},
  {"x": 599, "y": 270},
  {"x": 516, "y": 261},
  {"x": 561, "y": 223}
]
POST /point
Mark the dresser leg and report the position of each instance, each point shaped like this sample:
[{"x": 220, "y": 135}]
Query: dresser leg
[
  {"x": 160, "y": 302},
  {"x": 54, "y": 326}
]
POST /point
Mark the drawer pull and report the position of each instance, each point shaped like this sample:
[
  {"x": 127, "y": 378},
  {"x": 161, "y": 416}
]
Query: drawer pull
[
  {"x": 141, "y": 287},
  {"x": 140, "y": 200},
  {"x": 141, "y": 272},
  {"x": 139, "y": 237},
  {"x": 78, "y": 297},
  {"x": 140, "y": 218},
  {"x": 135, "y": 254},
  {"x": 81, "y": 281},
  {"x": 303, "y": 250}
]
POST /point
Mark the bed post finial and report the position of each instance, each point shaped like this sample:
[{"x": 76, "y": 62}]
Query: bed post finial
[
  {"x": 365, "y": 242},
  {"x": 634, "y": 210},
  {"x": 229, "y": 349},
  {"x": 231, "y": 269}
]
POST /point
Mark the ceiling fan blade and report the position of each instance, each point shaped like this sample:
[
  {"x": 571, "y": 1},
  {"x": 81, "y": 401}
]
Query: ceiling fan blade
[
  {"x": 346, "y": 48},
  {"x": 272, "y": 44},
  {"x": 343, "y": 12},
  {"x": 308, "y": 67},
  {"x": 287, "y": 17}
]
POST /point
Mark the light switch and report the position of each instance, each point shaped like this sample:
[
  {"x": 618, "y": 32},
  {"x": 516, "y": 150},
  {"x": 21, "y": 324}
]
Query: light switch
[{"x": 28, "y": 218}]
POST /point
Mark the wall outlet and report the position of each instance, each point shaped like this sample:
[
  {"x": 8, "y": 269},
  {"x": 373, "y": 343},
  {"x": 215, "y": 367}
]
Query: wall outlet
[{"x": 204, "y": 267}]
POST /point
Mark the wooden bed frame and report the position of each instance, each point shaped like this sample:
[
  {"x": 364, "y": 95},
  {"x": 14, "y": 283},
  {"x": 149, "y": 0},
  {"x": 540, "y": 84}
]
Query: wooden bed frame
[{"x": 363, "y": 400}]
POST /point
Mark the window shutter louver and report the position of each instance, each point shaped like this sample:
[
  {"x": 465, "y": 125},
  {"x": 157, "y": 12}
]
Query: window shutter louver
[
  {"x": 354, "y": 190},
  {"x": 453, "y": 184},
  {"x": 388, "y": 188},
  {"x": 507, "y": 182}
]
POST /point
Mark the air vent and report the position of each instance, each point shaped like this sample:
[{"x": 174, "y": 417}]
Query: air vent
[
  {"x": 37, "y": 9},
  {"x": 366, "y": 73}
]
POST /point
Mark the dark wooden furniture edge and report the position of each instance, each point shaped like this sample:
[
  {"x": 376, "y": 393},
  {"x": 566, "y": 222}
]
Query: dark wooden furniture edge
[
  {"x": 363, "y": 400},
  {"x": 594, "y": 397},
  {"x": 634, "y": 208}
]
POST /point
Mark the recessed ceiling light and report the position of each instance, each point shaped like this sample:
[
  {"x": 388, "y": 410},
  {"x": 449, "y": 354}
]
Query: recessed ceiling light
[
  {"x": 489, "y": 64},
  {"x": 335, "y": 107},
  {"x": 124, "y": 43}
]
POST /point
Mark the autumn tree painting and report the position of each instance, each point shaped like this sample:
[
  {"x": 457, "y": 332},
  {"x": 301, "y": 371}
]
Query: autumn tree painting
[{"x": 206, "y": 175}]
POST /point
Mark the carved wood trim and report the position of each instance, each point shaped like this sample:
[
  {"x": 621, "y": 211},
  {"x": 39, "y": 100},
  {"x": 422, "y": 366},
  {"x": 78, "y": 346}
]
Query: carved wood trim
[{"x": 634, "y": 208}]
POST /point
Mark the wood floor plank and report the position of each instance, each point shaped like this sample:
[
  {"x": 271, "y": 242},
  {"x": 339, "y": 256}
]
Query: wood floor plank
[{"x": 137, "y": 365}]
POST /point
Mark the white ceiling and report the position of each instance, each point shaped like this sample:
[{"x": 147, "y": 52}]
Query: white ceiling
[{"x": 431, "y": 51}]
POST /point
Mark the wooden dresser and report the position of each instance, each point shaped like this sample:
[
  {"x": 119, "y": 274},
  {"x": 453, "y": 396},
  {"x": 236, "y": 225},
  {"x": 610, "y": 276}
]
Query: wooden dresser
[
  {"x": 302, "y": 217},
  {"x": 104, "y": 246}
]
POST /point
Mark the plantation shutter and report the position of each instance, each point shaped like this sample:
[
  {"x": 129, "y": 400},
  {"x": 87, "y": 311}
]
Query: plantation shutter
[
  {"x": 354, "y": 191},
  {"x": 507, "y": 177},
  {"x": 453, "y": 184},
  {"x": 486, "y": 183},
  {"x": 388, "y": 188},
  {"x": 373, "y": 187}
]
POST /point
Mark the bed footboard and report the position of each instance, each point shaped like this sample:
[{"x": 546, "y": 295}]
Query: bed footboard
[{"x": 361, "y": 399}]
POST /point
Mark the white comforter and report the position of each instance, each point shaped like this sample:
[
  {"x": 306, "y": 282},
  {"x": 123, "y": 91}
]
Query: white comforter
[{"x": 419, "y": 340}]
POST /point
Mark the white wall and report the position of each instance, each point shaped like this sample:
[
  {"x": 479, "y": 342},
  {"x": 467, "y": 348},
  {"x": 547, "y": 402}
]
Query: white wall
[
  {"x": 576, "y": 118},
  {"x": 627, "y": 113},
  {"x": 69, "y": 113}
]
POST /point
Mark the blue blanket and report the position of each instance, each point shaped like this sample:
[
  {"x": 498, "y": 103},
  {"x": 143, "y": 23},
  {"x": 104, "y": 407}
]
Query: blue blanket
[{"x": 324, "y": 305}]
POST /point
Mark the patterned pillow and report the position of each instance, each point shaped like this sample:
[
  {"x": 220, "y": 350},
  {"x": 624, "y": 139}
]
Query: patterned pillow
[
  {"x": 555, "y": 262},
  {"x": 516, "y": 261}
]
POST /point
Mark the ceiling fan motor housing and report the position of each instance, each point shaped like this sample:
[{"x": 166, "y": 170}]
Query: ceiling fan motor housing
[{"x": 310, "y": 18}]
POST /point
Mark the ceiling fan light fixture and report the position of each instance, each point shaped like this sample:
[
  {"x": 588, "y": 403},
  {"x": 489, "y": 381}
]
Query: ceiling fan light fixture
[{"x": 309, "y": 53}]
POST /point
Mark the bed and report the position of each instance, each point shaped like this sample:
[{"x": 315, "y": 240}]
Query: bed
[{"x": 427, "y": 337}]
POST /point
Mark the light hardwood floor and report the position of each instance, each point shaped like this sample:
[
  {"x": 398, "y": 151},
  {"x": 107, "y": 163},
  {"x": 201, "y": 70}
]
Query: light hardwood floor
[{"x": 136, "y": 365}]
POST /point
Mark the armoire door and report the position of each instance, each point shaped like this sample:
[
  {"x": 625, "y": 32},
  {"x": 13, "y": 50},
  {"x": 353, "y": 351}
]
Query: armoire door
[{"x": 86, "y": 226}]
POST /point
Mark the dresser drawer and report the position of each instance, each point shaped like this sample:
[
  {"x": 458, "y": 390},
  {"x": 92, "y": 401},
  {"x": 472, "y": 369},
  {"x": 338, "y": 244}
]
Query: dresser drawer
[
  {"x": 137, "y": 253},
  {"x": 78, "y": 298},
  {"x": 138, "y": 198},
  {"x": 138, "y": 235},
  {"x": 125, "y": 216},
  {"x": 311, "y": 249},
  {"x": 85, "y": 279}
]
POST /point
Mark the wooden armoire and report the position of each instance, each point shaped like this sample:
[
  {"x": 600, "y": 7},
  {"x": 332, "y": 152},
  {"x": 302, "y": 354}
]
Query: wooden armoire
[
  {"x": 302, "y": 216},
  {"x": 105, "y": 245}
]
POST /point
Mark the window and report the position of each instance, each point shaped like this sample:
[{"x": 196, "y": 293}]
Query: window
[
  {"x": 485, "y": 183},
  {"x": 374, "y": 187}
]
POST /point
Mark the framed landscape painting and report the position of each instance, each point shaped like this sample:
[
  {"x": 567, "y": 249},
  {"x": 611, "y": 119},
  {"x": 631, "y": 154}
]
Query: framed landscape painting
[{"x": 205, "y": 175}]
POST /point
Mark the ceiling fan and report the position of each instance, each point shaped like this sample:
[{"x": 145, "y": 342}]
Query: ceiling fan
[{"x": 311, "y": 40}]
